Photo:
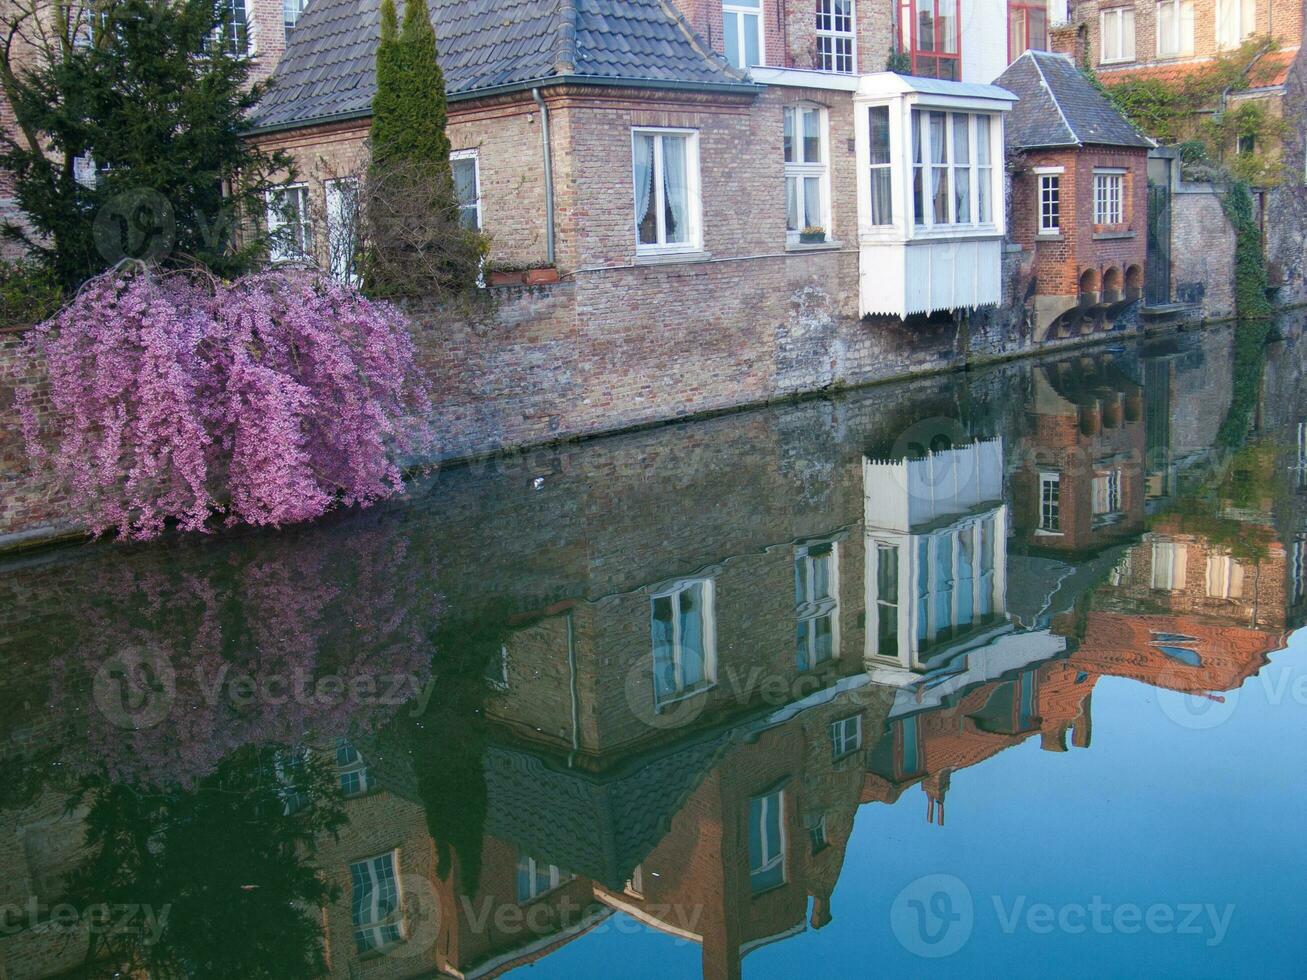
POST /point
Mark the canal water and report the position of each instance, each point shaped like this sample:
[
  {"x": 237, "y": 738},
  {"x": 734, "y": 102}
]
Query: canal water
[{"x": 995, "y": 672}]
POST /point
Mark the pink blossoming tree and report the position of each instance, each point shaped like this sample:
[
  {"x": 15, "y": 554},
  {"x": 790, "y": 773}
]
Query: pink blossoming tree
[{"x": 266, "y": 400}]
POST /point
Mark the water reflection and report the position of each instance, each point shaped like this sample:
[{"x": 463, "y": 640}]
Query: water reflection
[{"x": 649, "y": 681}]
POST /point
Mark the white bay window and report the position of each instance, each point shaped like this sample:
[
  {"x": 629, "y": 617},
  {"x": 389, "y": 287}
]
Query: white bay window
[
  {"x": 807, "y": 179},
  {"x": 667, "y": 204}
]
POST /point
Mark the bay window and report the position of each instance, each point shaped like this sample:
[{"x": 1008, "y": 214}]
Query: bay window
[
  {"x": 882, "y": 170},
  {"x": 684, "y": 640},
  {"x": 742, "y": 32},
  {"x": 1175, "y": 28},
  {"x": 929, "y": 33},
  {"x": 836, "y": 48},
  {"x": 1117, "y": 33},
  {"x": 1236, "y": 21},
  {"x": 1027, "y": 27},
  {"x": 667, "y": 206},
  {"x": 806, "y": 175},
  {"x": 952, "y": 167},
  {"x": 290, "y": 233},
  {"x": 1109, "y": 197}
]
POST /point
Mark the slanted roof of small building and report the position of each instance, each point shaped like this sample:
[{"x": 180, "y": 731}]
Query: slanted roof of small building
[
  {"x": 328, "y": 70},
  {"x": 1059, "y": 107}
]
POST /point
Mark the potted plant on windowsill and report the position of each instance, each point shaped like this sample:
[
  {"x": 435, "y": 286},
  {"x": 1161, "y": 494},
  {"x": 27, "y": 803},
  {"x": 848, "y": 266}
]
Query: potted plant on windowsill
[{"x": 812, "y": 235}]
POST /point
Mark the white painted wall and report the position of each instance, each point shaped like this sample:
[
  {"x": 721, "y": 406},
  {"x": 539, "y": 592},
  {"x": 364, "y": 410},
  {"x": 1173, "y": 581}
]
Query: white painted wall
[{"x": 984, "y": 40}]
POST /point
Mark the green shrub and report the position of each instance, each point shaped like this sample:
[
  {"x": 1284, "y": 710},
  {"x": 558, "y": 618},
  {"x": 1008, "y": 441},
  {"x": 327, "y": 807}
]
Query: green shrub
[{"x": 29, "y": 294}]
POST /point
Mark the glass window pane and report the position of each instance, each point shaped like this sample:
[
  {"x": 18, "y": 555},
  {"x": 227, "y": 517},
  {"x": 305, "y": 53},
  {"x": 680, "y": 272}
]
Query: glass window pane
[
  {"x": 752, "y": 42},
  {"x": 645, "y": 192},
  {"x": 811, "y": 136},
  {"x": 731, "y": 38},
  {"x": 961, "y": 138},
  {"x": 812, "y": 202},
  {"x": 692, "y": 639},
  {"x": 788, "y": 138},
  {"x": 792, "y": 204},
  {"x": 879, "y": 129},
  {"x": 675, "y": 190}
]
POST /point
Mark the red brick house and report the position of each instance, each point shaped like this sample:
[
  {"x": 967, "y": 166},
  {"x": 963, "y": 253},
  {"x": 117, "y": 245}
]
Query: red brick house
[{"x": 1079, "y": 194}]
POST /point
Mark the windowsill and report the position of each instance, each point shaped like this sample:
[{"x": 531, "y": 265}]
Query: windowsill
[
  {"x": 671, "y": 258},
  {"x": 1041, "y": 533},
  {"x": 1050, "y": 236},
  {"x": 829, "y": 245},
  {"x": 1108, "y": 236},
  {"x": 1117, "y": 62},
  {"x": 664, "y": 703},
  {"x": 921, "y": 233}
]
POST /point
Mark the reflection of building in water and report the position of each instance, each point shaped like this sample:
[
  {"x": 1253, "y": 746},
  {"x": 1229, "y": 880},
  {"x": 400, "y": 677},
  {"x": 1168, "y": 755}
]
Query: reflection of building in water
[
  {"x": 1080, "y": 485},
  {"x": 936, "y": 540}
]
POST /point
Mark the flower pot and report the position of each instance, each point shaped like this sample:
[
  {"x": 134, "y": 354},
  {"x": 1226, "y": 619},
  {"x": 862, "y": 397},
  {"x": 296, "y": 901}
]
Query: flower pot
[
  {"x": 812, "y": 238},
  {"x": 541, "y": 277},
  {"x": 503, "y": 278}
]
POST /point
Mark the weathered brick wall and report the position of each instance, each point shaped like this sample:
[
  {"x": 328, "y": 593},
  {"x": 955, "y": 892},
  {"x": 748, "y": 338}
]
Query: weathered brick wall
[{"x": 1202, "y": 250}]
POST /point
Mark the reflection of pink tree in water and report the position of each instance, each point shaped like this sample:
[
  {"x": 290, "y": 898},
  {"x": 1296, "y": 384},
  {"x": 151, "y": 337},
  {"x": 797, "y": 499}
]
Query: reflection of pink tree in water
[{"x": 298, "y": 640}]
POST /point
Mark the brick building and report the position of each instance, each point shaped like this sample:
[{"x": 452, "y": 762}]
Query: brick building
[{"x": 1079, "y": 194}]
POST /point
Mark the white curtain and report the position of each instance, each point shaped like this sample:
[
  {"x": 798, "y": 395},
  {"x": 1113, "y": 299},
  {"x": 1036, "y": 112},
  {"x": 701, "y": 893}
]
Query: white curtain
[
  {"x": 678, "y": 205},
  {"x": 643, "y": 183}
]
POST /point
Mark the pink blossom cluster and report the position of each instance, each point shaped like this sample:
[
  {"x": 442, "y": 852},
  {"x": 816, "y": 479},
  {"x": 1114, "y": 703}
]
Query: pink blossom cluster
[{"x": 265, "y": 400}]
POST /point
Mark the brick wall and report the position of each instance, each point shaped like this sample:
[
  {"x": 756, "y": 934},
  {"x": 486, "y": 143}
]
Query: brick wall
[{"x": 1202, "y": 250}]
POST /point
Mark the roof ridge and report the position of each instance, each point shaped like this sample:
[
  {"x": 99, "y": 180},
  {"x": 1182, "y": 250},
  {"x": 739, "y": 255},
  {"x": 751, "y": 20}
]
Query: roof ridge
[
  {"x": 566, "y": 27},
  {"x": 696, "y": 41},
  {"x": 1052, "y": 95}
]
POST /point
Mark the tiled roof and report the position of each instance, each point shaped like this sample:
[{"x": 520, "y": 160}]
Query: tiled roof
[
  {"x": 1270, "y": 71},
  {"x": 1059, "y": 107},
  {"x": 328, "y": 70}
]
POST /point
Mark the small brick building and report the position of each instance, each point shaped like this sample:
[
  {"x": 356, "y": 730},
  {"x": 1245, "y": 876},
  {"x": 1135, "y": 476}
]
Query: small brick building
[{"x": 1079, "y": 175}]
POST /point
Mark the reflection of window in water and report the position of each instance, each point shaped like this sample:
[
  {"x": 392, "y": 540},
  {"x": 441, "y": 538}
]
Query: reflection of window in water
[
  {"x": 635, "y": 884},
  {"x": 1170, "y": 566},
  {"x": 1050, "y": 502},
  {"x": 1029, "y": 689},
  {"x": 1299, "y": 568},
  {"x": 497, "y": 670},
  {"x": 1120, "y": 573},
  {"x": 684, "y": 642},
  {"x": 887, "y": 600},
  {"x": 1301, "y": 468},
  {"x": 817, "y": 833},
  {"x": 909, "y": 744},
  {"x": 375, "y": 903},
  {"x": 1107, "y": 497},
  {"x": 767, "y": 841},
  {"x": 816, "y": 600},
  {"x": 536, "y": 878},
  {"x": 351, "y": 770},
  {"x": 845, "y": 736},
  {"x": 1224, "y": 577},
  {"x": 954, "y": 582}
]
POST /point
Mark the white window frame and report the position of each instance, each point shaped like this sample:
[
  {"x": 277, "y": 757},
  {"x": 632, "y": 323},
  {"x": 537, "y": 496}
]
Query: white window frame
[
  {"x": 741, "y": 11},
  {"x": 1112, "y": 23},
  {"x": 1049, "y": 182},
  {"x": 475, "y": 157},
  {"x": 1182, "y": 39},
  {"x": 768, "y": 859},
  {"x": 1170, "y": 566},
  {"x": 804, "y": 170},
  {"x": 1109, "y": 197},
  {"x": 1050, "y": 511},
  {"x": 557, "y": 878},
  {"x": 1235, "y": 22},
  {"x": 277, "y": 221},
  {"x": 357, "y": 766},
  {"x": 250, "y": 48},
  {"x": 829, "y": 60},
  {"x": 681, "y": 691},
  {"x": 693, "y": 190},
  {"x": 978, "y": 173},
  {"x": 1111, "y": 487},
  {"x": 809, "y": 608},
  {"x": 845, "y": 736},
  {"x": 341, "y": 269},
  {"x": 373, "y": 922},
  {"x": 289, "y": 22}
]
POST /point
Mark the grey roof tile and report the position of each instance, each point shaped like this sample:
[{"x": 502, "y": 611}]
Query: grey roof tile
[
  {"x": 328, "y": 68},
  {"x": 1059, "y": 107}
]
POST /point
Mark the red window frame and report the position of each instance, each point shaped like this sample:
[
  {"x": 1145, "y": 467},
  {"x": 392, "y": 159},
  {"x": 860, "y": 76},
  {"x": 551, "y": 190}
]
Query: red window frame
[
  {"x": 928, "y": 62},
  {"x": 1025, "y": 8}
]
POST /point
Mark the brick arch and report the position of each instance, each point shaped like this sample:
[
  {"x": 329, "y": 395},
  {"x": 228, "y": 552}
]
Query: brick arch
[
  {"x": 1089, "y": 282},
  {"x": 1134, "y": 277},
  {"x": 1112, "y": 281}
]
